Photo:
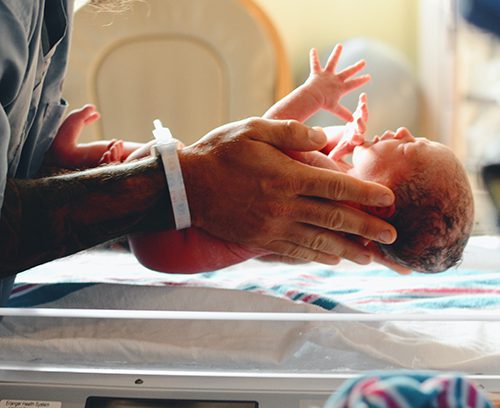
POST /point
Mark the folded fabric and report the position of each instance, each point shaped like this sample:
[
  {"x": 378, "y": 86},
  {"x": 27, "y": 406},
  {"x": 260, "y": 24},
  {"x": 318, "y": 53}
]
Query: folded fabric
[{"x": 402, "y": 389}]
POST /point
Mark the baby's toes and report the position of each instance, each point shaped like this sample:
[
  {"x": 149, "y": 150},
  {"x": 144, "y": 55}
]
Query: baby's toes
[
  {"x": 106, "y": 158},
  {"x": 117, "y": 151}
]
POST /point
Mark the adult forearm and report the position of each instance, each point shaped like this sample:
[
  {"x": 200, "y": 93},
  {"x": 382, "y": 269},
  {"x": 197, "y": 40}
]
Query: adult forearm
[{"x": 48, "y": 218}]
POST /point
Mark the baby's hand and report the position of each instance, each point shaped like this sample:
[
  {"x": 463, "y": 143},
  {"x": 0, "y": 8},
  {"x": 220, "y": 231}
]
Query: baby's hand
[
  {"x": 354, "y": 133},
  {"x": 328, "y": 87}
]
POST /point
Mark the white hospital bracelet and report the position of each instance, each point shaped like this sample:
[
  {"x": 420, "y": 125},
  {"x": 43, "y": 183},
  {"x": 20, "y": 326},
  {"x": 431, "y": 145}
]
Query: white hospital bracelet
[{"x": 166, "y": 147}]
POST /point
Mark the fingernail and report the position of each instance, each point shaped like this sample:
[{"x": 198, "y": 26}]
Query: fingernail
[
  {"x": 386, "y": 237},
  {"x": 317, "y": 135},
  {"x": 385, "y": 200},
  {"x": 363, "y": 259}
]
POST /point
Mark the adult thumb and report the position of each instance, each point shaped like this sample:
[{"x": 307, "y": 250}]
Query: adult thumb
[{"x": 292, "y": 135}]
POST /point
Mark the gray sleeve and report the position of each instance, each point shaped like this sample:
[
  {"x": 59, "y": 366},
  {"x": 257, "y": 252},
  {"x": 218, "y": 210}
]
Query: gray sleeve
[
  {"x": 16, "y": 26},
  {"x": 4, "y": 146}
]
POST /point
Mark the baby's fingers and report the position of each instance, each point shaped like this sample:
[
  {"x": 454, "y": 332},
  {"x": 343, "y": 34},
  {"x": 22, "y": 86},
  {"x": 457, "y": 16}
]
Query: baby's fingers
[
  {"x": 362, "y": 107},
  {"x": 354, "y": 83},
  {"x": 333, "y": 59},
  {"x": 314, "y": 64},
  {"x": 351, "y": 70},
  {"x": 360, "y": 128},
  {"x": 342, "y": 149}
]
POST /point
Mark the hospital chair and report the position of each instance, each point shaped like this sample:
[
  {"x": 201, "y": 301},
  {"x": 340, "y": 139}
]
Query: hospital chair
[{"x": 194, "y": 64}]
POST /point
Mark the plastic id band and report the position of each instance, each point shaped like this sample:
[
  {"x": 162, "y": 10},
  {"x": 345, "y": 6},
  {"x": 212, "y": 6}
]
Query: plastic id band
[{"x": 166, "y": 147}]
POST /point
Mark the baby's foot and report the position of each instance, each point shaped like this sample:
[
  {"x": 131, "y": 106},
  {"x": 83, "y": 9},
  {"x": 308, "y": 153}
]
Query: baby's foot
[{"x": 114, "y": 152}]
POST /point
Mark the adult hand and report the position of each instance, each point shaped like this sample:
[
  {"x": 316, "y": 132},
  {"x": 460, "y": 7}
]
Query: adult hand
[{"x": 241, "y": 187}]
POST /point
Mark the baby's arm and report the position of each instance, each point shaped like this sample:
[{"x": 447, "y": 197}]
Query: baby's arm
[
  {"x": 323, "y": 89},
  {"x": 192, "y": 250},
  {"x": 341, "y": 141},
  {"x": 66, "y": 152}
]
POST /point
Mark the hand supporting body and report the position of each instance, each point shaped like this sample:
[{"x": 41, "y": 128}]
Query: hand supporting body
[
  {"x": 323, "y": 89},
  {"x": 241, "y": 188}
]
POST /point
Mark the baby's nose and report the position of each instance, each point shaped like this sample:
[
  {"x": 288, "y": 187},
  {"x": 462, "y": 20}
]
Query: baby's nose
[{"x": 403, "y": 132}]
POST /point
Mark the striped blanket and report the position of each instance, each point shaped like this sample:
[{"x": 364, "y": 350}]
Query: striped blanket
[
  {"x": 475, "y": 284},
  {"x": 407, "y": 389},
  {"x": 110, "y": 280}
]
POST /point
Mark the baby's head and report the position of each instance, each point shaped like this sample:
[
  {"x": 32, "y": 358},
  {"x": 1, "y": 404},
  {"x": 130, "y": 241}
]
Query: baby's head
[{"x": 434, "y": 206}]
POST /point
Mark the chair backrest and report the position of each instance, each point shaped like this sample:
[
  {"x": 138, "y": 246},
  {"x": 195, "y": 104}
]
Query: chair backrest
[{"x": 194, "y": 64}]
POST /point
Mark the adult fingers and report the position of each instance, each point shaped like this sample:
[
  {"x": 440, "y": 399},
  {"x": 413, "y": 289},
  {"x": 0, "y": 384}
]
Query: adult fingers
[
  {"x": 290, "y": 135},
  {"x": 329, "y": 242},
  {"x": 393, "y": 265},
  {"x": 336, "y": 216},
  {"x": 382, "y": 259},
  {"x": 292, "y": 250},
  {"x": 341, "y": 187},
  {"x": 282, "y": 259},
  {"x": 316, "y": 159}
]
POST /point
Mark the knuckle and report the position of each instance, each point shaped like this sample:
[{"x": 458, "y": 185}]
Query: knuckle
[
  {"x": 364, "y": 230},
  {"x": 300, "y": 253},
  {"x": 277, "y": 210},
  {"x": 252, "y": 121},
  {"x": 309, "y": 184},
  {"x": 282, "y": 185},
  {"x": 336, "y": 219},
  {"x": 319, "y": 241},
  {"x": 249, "y": 127},
  {"x": 338, "y": 187},
  {"x": 291, "y": 126},
  {"x": 291, "y": 123}
]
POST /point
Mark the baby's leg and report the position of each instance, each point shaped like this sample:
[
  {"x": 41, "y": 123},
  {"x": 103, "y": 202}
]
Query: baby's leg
[
  {"x": 65, "y": 151},
  {"x": 72, "y": 127}
]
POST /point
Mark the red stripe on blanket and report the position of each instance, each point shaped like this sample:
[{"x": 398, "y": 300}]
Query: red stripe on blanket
[{"x": 443, "y": 290}]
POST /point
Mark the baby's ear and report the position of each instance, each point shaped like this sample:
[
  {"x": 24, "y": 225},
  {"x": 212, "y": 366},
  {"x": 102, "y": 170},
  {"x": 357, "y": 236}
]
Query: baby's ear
[{"x": 382, "y": 212}]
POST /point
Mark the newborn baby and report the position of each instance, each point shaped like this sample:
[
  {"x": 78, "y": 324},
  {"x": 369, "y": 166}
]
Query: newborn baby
[{"x": 433, "y": 211}]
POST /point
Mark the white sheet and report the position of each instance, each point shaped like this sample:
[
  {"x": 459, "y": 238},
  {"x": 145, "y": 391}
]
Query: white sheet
[{"x": 473, "y": 347}]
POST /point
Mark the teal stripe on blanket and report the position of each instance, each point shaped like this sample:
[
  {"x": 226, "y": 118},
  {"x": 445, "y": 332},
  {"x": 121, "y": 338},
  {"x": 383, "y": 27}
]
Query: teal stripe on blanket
[{"x": 376, "y": 290}]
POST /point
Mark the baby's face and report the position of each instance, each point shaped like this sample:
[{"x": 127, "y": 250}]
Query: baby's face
[{"x": 388, "y": 158}]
